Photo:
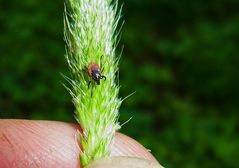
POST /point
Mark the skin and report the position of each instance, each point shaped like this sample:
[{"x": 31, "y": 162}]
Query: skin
[{"x": 47, "y": 144}]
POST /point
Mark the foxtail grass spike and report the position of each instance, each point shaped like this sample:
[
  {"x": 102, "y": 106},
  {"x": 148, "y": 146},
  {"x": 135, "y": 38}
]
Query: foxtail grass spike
[{"x": 91, "y": 37}]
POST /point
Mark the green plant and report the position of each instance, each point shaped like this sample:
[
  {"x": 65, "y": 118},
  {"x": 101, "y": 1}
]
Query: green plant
[{"x": 90, "y": 35}]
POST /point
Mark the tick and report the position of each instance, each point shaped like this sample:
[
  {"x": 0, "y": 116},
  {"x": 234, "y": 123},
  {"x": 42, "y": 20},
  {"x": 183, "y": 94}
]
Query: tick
[{"x": 95, "y": 72}]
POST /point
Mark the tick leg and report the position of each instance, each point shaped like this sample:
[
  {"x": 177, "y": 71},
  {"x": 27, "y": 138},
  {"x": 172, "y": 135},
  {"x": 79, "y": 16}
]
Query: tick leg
[
  {"x": 102, "y": 70},
  {"x": 89, "y": 84},
  {"x": 91, "y": 93},
  {"x": 101, "y": 60},
  {"x": 85, "y": 69},
  {"x": 103, "y": 77}
]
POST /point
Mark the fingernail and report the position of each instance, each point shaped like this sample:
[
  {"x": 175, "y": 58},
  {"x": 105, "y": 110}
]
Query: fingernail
[{"x": 127, "y": 162}]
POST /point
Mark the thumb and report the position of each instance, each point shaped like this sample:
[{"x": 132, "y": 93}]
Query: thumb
[{"x": 127, "y": 162}]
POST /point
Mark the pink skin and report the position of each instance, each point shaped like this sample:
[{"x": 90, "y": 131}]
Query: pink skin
[{"x": 49, "y": 144}]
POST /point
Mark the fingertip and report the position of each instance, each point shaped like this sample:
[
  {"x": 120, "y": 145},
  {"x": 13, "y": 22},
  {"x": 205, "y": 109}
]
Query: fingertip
[{"x": 125, "y": 146}]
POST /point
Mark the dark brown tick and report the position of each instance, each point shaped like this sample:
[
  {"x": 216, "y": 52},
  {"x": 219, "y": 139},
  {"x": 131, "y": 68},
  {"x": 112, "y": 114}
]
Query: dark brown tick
[{"x": 95, "y": 72}]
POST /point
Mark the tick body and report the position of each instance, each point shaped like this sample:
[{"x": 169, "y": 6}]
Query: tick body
[{"x": 94, "y": 71}]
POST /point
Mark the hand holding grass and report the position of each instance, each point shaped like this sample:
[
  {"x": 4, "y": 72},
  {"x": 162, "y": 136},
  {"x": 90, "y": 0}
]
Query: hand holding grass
[
  {"x": 48, "y": 144},
  {"x": 91, "y": 39}
]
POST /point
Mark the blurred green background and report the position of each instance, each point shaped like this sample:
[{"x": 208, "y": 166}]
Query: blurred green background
[{"x": 181, "y": 58}]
